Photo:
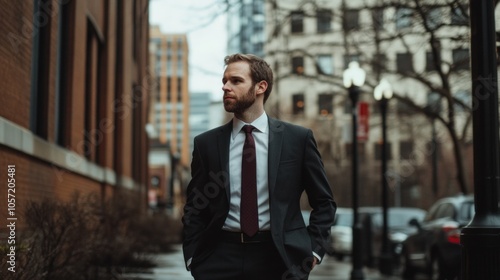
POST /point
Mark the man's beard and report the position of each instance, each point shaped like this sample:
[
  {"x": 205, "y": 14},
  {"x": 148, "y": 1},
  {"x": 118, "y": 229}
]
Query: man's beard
[{"x": 240, "y": 105}]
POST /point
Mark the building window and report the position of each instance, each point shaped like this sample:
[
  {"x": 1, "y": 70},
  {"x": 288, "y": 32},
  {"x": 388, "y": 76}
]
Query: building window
[
  {"x": 405, "y": 149},
  {"x": 169, "y": 91},
  {"x": 64, "y": 62},
  {"x": 324, "y": 21},
  {"x": 298, "y": 65},
  {"x": 325, "y": 104},
  {"x": 361, "y": 150},
  {"x": 324, "y": 64},
  {"x": 379, "y": 63},
  {"x": 158, "y": 90},
  {"x": 297, "y": 20},
  {"x": 91, "y": 90},
  {"x": 40, "y": 73},
  {"x": 180, "y": 68},
  {"x": 378, "y": 18},
  {"x": 458, "y": 16},
  {"x": 258, "y": 7},
  {"x": 404, "y": 62},
  {"x": 298, "y": 103},
  {"x": 462, "y": 97},
  {"x": 430, "y": 63},
  {"x": 434, "y": 102},
  {"x": 378, "y": 151},
  {"x": 351, "y": 20},
  {"x": 179, "y": 89},
  {"x": 403, "y": 18},
  {"x": 169, "y": 66},
  {"x": 461, "y": 59},
  {"x": 434, "y": 18}
]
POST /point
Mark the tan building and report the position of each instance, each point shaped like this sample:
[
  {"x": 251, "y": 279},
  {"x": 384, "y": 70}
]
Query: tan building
[
  {"x": 75, "y": 83},
  {"x": 168, "y": 121},
  {"x": 169, "y": 112}
]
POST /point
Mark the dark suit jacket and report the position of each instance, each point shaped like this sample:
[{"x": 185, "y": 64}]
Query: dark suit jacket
[{"x": 294, "y": 166}]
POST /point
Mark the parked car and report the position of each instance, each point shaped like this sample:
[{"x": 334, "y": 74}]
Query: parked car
[
  {"x": 372, "y": 219},
  {"x": 435, "y": 248},
  {"x": 341, "y": 233},
  {"x": 399, "y": 229}
]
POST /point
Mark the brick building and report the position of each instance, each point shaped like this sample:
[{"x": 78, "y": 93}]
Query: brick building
[{"x": 75, "y": 82}]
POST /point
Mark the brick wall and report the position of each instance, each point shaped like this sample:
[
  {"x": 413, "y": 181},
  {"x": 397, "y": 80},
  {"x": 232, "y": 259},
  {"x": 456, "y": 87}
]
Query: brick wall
[{"x": 56, "y": 169}]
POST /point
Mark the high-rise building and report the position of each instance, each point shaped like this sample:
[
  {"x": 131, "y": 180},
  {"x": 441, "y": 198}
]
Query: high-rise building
[
  {"x": 246, "y": 23},
  {"x": 199, "y": 117},
  {"x": 169, "y": 110}
]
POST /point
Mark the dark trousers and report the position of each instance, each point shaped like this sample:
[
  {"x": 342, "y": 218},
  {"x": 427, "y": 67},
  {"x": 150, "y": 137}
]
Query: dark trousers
[{"x": 241, "y": 261}]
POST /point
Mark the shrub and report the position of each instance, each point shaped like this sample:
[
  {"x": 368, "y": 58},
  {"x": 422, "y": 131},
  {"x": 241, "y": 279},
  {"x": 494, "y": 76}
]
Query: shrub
[{"x": 87, "y": 238}]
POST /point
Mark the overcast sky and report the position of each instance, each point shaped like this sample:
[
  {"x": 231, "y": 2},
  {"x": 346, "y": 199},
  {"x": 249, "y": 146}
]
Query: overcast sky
[{"x": 206, "y": 37}]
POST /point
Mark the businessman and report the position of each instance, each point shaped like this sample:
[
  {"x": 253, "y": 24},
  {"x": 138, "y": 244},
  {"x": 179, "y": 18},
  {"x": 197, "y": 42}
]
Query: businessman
[{"x": 242, "y": 218}]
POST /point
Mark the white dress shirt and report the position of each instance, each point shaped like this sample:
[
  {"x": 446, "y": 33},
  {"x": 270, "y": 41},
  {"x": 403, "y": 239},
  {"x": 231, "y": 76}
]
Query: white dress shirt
[{"x": 261, "y": 136}]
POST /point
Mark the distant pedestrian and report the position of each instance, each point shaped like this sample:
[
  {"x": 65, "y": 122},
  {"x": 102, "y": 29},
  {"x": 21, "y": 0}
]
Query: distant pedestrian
[{"x": 242, "y": 218}]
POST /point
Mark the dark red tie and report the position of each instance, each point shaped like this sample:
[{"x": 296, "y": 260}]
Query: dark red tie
[{"x": 249, "y": 216}]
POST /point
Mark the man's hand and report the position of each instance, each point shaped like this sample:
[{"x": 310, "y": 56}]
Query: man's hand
[{"x": 315, "y": 261}]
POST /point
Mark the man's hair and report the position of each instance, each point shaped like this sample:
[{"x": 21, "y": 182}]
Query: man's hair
[{"x": 259, "y": 69}]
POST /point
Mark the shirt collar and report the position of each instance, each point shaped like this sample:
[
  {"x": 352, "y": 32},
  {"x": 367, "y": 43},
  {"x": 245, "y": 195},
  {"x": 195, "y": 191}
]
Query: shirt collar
[{"x": 260, "y": 124}]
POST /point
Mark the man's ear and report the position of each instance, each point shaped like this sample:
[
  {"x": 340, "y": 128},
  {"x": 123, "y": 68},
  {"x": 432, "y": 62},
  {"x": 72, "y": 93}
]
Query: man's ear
[{"x": 261, "y": 87}]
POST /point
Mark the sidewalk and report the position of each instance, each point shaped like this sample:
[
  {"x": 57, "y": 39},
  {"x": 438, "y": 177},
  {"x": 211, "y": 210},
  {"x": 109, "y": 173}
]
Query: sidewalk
[
  {"x": 171, "y": 267},
  {"x": 332, "y": 269}
]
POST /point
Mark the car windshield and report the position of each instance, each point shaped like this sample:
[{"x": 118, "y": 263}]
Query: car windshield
[
  {"x": 467, "y": 211},
  {"x": 343, "y": 219},
  {"x": 398, "y": 218}
]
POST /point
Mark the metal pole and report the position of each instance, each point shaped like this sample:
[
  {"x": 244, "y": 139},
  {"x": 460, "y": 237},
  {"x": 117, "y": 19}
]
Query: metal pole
[
  {"x": 434, "y": 159},
  {"x": 385, "y": 262},
  {"x": 480, "y": 240},
  {"x": 357, "y": 262}
]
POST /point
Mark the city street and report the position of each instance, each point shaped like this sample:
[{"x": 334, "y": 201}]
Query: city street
[{"x": 171, "y": 267}]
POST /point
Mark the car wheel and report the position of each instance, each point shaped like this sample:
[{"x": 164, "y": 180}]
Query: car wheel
[
  {"x": 435, "y": 269},
  {"x": 439, "y": 271},
  {"x": 408, "y": 272}
]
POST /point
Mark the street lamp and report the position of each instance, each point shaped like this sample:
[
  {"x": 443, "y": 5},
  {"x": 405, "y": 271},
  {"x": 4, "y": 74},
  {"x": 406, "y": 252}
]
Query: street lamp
[
  {"x": 480, "y": 239},
  {"x": 382, "y": 93},
  {"x": 354, "y": 78}
]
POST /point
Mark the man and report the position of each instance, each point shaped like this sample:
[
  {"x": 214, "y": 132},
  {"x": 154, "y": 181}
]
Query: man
[{"x": 242, "y": 218}]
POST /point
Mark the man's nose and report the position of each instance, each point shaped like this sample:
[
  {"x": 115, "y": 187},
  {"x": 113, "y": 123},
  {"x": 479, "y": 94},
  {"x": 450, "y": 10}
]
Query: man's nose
[{"x": 225, "y": 87}]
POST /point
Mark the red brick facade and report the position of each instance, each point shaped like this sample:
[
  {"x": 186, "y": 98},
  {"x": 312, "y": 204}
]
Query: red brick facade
[{"x": 74, "y": 98}]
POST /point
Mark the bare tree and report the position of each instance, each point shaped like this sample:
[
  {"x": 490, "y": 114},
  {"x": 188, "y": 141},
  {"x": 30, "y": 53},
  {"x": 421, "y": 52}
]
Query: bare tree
[{"x": 439, "y": 27}]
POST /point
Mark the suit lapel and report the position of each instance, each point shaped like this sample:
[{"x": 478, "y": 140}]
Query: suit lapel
[
  {"x": 223, "y": 146},
  {"x": 274, "y": 151}
]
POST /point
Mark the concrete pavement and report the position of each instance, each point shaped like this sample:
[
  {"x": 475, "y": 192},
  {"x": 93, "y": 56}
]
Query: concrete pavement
[{"x": 171, "y": 267}]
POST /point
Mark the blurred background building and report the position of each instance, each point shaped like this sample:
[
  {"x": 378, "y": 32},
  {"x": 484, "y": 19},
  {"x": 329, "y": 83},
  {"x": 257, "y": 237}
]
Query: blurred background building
[
  {"x": 246, "y": 27},
  {"x": 199, "y": 117},
  {"x": 310, "y": 44},
  {"x": 169, "y": 127},
  {"x": 75, "y": 83}
]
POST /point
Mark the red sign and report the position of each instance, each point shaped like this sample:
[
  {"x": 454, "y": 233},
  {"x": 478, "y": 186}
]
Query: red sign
[{"x": 363, "y": 121}]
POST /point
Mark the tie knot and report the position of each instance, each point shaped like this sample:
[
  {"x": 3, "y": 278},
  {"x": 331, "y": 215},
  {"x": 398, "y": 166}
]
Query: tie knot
[{"x": 248, "y": 128}]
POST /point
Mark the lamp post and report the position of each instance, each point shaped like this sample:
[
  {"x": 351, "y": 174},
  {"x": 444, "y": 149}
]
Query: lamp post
[
  {"x": 354, "y": 78},
  {"x": 174, "y": 159},
  {"x": 382, "y": 93},
  {"x": 480, "y": 239}
]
